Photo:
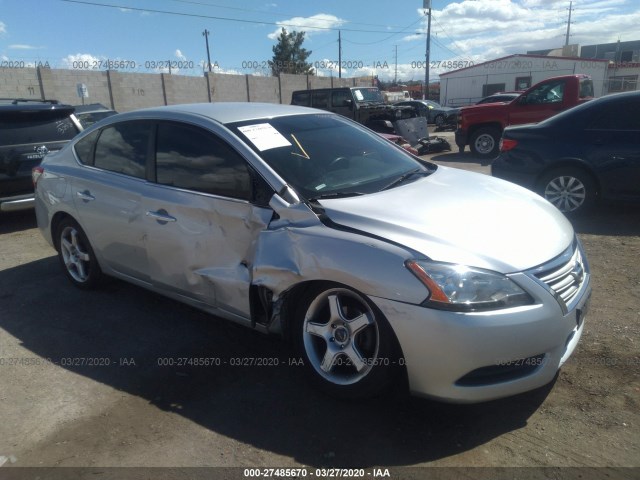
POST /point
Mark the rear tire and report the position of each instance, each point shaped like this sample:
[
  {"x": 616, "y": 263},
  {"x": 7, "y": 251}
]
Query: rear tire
[
  {"x": 76, "y": 255},
  {"x": 571, "y": 190},
  {"x": 348, "y": 347},
  {"x": 485, "y": 142}
]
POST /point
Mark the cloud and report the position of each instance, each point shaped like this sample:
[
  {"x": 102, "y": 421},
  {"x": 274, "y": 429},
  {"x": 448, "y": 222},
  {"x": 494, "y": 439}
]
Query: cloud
[
  {"x": 316, "y": 23},
  {"x": 484, "y": 30},
  {"x": 3, "y": 28},
  {"x": 84, "y": 61},
  {"x": 178, "y": 53},
  {"x": 22, "y": 47}
]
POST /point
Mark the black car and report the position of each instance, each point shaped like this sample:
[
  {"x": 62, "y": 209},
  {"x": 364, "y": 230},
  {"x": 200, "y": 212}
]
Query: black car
[
  {"x": 29, "y": 129},
  {"x": 589, "y": 152},
  {"x": 433, "y": 112}
]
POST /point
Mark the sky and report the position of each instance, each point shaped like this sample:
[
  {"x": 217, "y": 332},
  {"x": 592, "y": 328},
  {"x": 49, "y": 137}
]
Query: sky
[{"x": 383, "y": 38}]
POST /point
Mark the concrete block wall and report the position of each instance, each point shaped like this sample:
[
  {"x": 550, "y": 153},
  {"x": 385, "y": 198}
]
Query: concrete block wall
[
  {"x": 264, "y": 89},
  {"x": 132, "y": 91},
  {"x": 183, "y": 89},
  {"x": 19, "y": 83},
  {"x": 228, "y": 88},
  {"x": 125, "y": 91},
  {"x": 62, "y": 85},
  {"x": 289, "y": 84}
]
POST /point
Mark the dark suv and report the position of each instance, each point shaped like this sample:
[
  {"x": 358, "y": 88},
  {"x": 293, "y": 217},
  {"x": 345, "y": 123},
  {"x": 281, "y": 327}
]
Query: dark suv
[
  {"x": 365, "y": 105},
  {"x": 29, "y": 129}
]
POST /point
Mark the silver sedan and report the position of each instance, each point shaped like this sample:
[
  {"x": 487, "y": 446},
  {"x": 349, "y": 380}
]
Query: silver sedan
[{"x": 378, "y": 266}]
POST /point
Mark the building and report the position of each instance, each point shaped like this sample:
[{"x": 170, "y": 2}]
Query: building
[
  {"x": 624, "y": 63},
  {"x": 516, "y": 72}
]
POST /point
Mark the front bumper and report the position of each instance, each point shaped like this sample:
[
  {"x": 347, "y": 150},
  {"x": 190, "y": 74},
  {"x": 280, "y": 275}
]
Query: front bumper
[
  {"x": 479, "y": 356},
  {"x": 461, "y": 138}
]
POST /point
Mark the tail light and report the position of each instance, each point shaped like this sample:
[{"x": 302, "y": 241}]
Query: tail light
[
  {"x": 507, "y": 144},
  {"x": 36, "y": 173}
]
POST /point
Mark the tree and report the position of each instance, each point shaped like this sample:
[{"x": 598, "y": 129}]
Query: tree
[{"x": 289, "y": 56}]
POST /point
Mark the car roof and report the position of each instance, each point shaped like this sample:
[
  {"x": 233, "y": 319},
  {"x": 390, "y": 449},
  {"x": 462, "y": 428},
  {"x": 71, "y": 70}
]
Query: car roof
[
  {"x": 226, "y": 112},
  {"x": 23, "y": 105}
]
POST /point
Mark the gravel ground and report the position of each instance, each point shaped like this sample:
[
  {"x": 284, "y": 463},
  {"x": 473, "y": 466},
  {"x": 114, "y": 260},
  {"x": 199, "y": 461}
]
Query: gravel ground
[{"x": 127, "y": 410}]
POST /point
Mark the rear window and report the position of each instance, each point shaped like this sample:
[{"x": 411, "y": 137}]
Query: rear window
[{"x": 21, "y": 129}]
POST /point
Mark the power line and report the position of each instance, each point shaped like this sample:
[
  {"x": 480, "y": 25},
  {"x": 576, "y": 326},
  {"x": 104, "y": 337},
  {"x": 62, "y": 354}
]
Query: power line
[
  {"x": 228, "y": 19},
  {"x": 404, "y": 30},
  {"x": 273, "y": 14}
]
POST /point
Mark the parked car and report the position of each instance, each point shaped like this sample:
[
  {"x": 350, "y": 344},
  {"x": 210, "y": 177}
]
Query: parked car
[
  {"x": 480, "y": 126},
  {"x": 499, "y": 97},
  {"x": 87, "y": 115},
  {"x": 576, "y": 157},
  {"x": 433, "y": 112},
  {"x": 29, "y": 129},
  {"x": 366, "y": 105},
  {"x": 378, "y": 266}
]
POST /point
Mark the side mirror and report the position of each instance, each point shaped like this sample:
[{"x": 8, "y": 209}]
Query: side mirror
[{"x": 348, "y": 103}]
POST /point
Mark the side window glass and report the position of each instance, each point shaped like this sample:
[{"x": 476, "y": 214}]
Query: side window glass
[
  {"x": 84, "y": 148},
  {"x": 321, "y": 100},
  {"x": 547, "y": 93},
  {"x": 339, "y": 98},
  {"x": 302, "y": 99},
  {"x": 122, "y": 148},
  {"x": 190, "y": 158},
  {"x": 617, "y": 116}
]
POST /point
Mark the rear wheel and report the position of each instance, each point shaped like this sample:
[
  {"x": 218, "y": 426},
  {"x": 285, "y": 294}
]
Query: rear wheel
[
  {"x": 76, "y": 255},
  {"x": 571, "y": 190},
  {"x": 485, "y": 142},
  {"x": 346, "y": 343}
]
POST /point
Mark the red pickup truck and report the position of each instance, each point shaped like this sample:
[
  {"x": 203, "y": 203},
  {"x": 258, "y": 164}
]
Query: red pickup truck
[{"x": 481, "y": 126}]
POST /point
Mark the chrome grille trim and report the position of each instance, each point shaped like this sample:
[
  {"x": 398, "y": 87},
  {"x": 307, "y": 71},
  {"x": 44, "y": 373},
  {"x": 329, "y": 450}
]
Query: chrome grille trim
[{"x": 564, "y": 276}]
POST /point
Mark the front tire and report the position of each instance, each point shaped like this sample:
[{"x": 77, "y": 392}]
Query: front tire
[
  {"x": 439, "y": 121},
  {"x": 76, "y": 255},
  {"x": 348, "y": 347},
  {"x": 485, "y": 142},
  {"x": 571, "y": 190}
]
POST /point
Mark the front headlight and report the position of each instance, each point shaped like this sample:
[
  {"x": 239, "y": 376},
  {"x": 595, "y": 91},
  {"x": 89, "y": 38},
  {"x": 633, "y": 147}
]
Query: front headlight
[{"x": 462, "y": 288}]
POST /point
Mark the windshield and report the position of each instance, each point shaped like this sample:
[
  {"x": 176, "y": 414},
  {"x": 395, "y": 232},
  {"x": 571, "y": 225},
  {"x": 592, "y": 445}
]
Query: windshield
[
  {"x": 326, "y": 155},
  {"x": 367, "y": 95}
]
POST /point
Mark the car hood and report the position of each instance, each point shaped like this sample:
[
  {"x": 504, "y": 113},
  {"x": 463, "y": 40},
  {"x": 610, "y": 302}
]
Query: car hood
[{"x": 461, "y": 217}]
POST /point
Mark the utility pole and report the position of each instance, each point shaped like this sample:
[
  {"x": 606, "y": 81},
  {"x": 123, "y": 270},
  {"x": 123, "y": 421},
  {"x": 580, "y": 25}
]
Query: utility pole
[
  {"x": 426, "y": 5},
  {"x": 205, "y": 34},
  {"x": 395, "y": 77},
  {"x": 566, "y": 40},
  {"x": 339, "y": 54}
]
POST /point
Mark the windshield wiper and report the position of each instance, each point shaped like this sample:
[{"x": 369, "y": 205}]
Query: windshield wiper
[
  {"x": 405, "y": 176},
  {"x": 335, "y": 195}
]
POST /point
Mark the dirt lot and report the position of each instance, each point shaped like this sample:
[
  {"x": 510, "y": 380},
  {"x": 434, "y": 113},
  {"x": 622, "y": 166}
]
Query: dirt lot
[{"x": 127, "y": 410}]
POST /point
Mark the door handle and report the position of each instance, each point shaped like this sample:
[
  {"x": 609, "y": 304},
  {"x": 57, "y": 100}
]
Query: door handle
[
  {"x": 161, "y": 216},
  {"x": 86, "y": 196}
]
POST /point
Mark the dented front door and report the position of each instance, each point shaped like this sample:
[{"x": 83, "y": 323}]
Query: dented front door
[
  {"x": 201, "y": 247},
  {"x": 201, "y": 227}
]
